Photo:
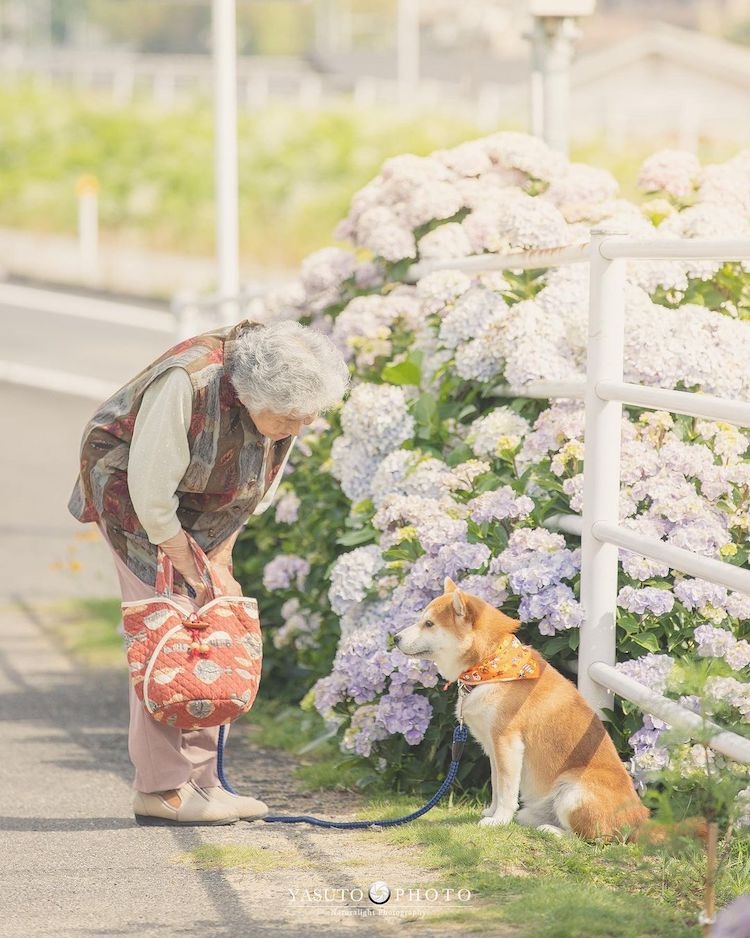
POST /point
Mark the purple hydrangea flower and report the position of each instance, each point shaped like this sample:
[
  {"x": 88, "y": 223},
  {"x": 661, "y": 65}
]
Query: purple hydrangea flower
[
  {"x": 502, "y": 503},
  {"x": 647, "y": 599},
  {"x": 650, "y": 670},
  {"x": 535, "y": 559},
  {"x": 712, "y": 642},
  {"x": 287, "y": 508},
  {"x": 284, "y": 572},
  {"x": 408, "y": 714},
  {"x": 694, "y": 594},
  {"x": 489, "y": 587},
  {"x": 555, "y": 608},
  {"x": 364, "y": 731}
]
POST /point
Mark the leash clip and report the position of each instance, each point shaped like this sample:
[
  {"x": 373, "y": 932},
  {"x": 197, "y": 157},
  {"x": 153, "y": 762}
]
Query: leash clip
[{"x": 463, "y": 693}]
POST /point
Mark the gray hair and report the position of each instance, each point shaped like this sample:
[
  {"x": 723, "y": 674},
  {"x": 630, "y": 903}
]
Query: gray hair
[{"x": 288, "y": 368}]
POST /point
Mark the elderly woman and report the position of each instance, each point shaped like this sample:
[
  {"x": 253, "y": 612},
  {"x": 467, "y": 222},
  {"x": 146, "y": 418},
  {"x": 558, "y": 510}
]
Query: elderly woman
[{"x": 197, "y": 443}]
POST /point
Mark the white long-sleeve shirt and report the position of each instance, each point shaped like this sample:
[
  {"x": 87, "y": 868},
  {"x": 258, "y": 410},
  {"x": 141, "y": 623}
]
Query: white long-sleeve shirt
[{"x": 160, "y": 454}]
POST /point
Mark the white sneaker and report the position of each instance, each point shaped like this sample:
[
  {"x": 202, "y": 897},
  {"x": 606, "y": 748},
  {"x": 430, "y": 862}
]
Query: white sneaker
[
  {"x": 196, "y": 809},
  {"x": 248, "y": 809}
]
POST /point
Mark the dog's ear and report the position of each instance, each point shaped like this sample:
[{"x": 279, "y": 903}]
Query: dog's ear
[
  {"x": 449, "y": 586},
  {"x": 459, "y": 606}
]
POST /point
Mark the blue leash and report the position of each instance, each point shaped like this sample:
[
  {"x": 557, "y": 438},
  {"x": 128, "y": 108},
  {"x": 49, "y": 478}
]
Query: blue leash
[{"x": 460, "y": 734}]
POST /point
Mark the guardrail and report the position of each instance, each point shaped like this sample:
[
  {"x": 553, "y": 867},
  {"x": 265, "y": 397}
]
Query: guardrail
[{"x": 604, "y": 393}]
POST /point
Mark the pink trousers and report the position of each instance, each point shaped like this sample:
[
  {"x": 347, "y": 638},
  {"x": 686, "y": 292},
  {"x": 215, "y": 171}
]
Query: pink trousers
[{"x": 164, "y": 757}]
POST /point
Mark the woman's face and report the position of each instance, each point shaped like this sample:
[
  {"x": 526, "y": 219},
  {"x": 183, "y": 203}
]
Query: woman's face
[{"x": 279, "y": 426}]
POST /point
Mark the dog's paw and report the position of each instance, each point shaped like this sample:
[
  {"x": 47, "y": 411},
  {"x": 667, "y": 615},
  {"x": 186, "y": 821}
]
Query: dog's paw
[
  {"x": 496, "y": 820},
  {"x": 552, "y": 829},
  {"x": 488, "y": 812}
]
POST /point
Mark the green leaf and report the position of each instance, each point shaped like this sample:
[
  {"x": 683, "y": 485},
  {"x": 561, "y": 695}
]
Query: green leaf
[
  {"x": 358, "y": 536},
  {"x": 648, "y": 641},
  {"x": 404, "y": 373},
  {"x": 407, "y": 549},
  {"x": 555, "y": 644},
  {"x": 425, "y": 409}
]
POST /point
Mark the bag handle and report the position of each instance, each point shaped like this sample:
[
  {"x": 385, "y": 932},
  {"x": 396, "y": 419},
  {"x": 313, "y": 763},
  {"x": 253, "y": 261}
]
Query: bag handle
[{"x": 165, "y": 569}]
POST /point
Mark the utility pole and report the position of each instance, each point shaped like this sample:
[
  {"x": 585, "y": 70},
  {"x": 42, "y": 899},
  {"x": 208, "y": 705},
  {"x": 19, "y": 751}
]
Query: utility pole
[
  {"x": 224, "y": 32},
  {"x": 553, "y": 34},
  {"x": 407, "y": 50}
]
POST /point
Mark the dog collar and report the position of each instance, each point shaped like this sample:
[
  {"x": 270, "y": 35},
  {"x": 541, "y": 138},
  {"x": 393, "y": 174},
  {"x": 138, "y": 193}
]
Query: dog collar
[{"x": 511, "y": 661}]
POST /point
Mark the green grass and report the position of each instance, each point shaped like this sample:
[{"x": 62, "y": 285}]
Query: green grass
[
  {"x": 561, "y": 887},
  {"x": 546, "y": 886},
  {"x": 298, "y": 168},
  {"x": 218, "y": 857},
  {"x": 88, "y": 629}
]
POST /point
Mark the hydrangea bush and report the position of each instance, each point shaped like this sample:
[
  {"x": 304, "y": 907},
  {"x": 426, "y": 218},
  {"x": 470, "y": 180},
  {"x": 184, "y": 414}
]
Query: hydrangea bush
[{"x": 439, "y": 465}]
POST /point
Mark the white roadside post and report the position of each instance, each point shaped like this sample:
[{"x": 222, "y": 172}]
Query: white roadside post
[
  {"x": 407, "y": 51},
  {"x": 552, "y": 36},
  {"x": 225, "y": 157},
  {"x": 87, "y": 190},
  {"x": 601, "y": 469}
]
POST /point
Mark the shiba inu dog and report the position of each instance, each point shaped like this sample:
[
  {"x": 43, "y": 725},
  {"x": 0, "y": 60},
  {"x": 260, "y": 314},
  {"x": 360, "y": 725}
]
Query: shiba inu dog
[{"x": 544, "y": 742}]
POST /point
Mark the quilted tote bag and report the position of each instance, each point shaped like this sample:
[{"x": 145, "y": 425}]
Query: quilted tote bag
[{"x": 193, "y": 670}]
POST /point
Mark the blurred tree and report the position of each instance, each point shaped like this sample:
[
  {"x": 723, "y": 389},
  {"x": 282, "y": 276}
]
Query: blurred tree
[
  {"x": 274, "y": 27},
  {"x": 63, "y": 16},
  {"x": 155, "y": 25},
  {"x": 264, "y": 27}
]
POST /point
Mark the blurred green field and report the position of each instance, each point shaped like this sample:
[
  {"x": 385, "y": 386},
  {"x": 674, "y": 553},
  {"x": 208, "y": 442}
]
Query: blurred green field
[{"x": 298, "y": 168}]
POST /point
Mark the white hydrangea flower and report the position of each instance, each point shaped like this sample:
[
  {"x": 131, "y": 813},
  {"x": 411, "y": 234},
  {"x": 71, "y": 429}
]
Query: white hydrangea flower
[
  {"x": 481, "y": 359},
  {"x": 520, "y": 223},
  {"x": 673, "y": 171},
  {"x": 501, "y": 429},
  {"x": 372, "y": 317},
  {"x": 352, "y": 575},
  {"x": 536, "y": 347},
  {"x": 447, "y": 240},
  {"x": 472, "y": 313},
  {"x": 441, "y": 289},
  {"x": 354, "y": 466},
  {"x": 580, "y": 191},
  {"x": 430, "y": 201},
  {"x": 467, "y": 159},
  {"x": 326, "y": 269},
  {"x": 529, "y": 154},
  {"x": 285, "y": 302},
  {"x": 727, "y": 184},
  {"x": 376, "y": 417}
]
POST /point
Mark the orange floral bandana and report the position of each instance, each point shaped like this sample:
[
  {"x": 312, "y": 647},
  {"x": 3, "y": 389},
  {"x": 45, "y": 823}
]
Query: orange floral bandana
[{"x": 511, "y": 661}]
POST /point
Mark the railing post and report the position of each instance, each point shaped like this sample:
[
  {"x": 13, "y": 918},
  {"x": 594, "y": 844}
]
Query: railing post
[
  {"x": 601, "y": 489},
  {"x": 186, "y": 314}
]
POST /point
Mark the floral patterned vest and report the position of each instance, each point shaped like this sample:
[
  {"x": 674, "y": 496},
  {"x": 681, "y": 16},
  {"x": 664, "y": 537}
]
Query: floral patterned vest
[{"x": 222, "y": 484}]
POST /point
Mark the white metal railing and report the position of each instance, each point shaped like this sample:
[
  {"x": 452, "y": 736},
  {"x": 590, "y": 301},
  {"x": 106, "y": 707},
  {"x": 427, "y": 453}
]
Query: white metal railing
[
  {"x": 604, "y": 394},
  {"x": 194, "y": 314}
]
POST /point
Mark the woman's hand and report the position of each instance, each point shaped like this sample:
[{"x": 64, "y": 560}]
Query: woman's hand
[
  {"x": 221, "y": 566},
  {"x": 202, "y": 593},
  {"x": 179, "y": 551},
  {"x": 225, "y": 581}
]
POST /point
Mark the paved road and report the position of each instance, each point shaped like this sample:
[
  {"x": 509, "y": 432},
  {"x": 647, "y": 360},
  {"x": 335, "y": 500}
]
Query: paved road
[
  {"x": 73, "y": 863},
  {"x": 45, "y": 552}
]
